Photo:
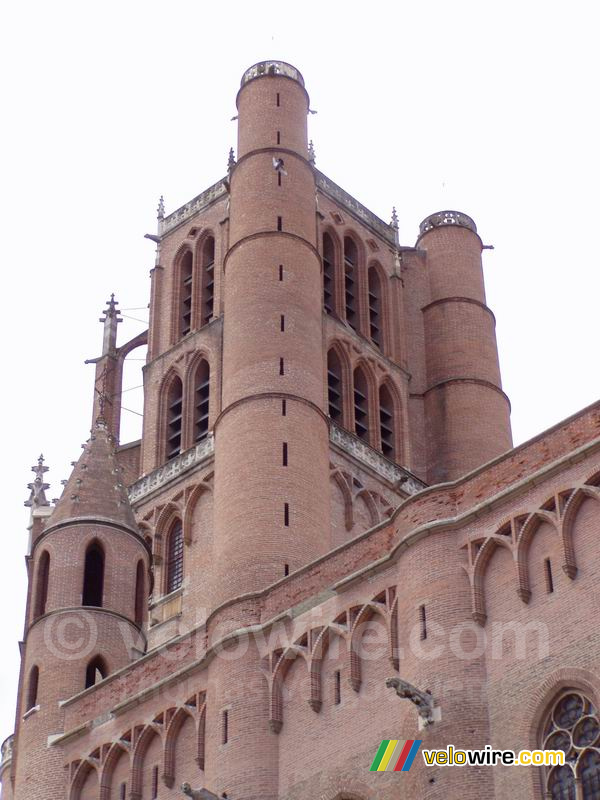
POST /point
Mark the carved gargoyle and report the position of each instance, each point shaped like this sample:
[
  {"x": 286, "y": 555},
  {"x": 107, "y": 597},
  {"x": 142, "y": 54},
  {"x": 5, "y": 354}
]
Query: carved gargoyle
[
  {"x": 422, "y": 700},
  {"x": 197, "y": 794}
]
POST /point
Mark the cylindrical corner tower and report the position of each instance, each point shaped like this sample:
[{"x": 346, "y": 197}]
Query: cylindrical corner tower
[
  {"x": 87, "y": 600},
  {"x": 271, "y": 440},
  {"x": 467, "y": 413}
]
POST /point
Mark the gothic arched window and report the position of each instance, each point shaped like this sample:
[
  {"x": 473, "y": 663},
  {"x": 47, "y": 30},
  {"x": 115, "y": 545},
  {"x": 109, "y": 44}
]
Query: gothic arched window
[
  {"x": 334, "y": 387},
  {"x": 350, "y": 281},
  {"x": 201, "y": 400},
  {"x": 329, "y": 288},
  {"x": 41, "y": 589},
  {"x": 361, "y": 404},
  {"x": 174, "y": 418},
  {"x": 140, "y": 593},
  {"x": 174, "y": 557},
  {"x": 208, "y": 280},
  {"x": 185, "y": 293},
  {"x": 93, "y": 576},
  {"x": 95, "y": 671},
  {"x": 573, "y": 726},
  {"x": 32, "y": 688},
  {"x": 386, "y": 423},
  {"x": 375, "y": 302}
]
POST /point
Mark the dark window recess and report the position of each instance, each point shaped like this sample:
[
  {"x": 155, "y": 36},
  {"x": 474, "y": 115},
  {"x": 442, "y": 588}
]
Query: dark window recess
[
  {"x": 281, "y": 272},
  {"x": 337, "y": 687},
  {"x": 95, "y": 672},
  {"x": 281, "y": 369},
  {"x": 286, "y": 569},
  {"x": 279, "y": 223},
  {"x": 174, "y": 417},
  {"x": 32, "y": 688},
  {"x": 279, "y": 182},
  {"x": 361, "y": 406},
  {"x": 201, "y": 401},
  {"x": 41, "y": 597},
  {"x": 278, "y": 137},
  {"x": 350, "y": 266},
  {"x": 386, "y": 423},
  {"x": 285, "y": 454},
  {"x": 278, "y": 99},
  {"x": 334, "y": 386},
  {"x": 375, "y": 307},
  {"x": 175, "y": 557},
  {"x": 548, "y": 574},
  {"x": 123, "y": 792},
  {"x": 140, "y": 593},
  {"x": 423, "y": 622},
  {"x": 282, "y": 323},
  {"x": 284, "y": 408},
  {"x": 225, "y": 728},
  {"x": 208, "y": 280},
  {"x": 154, "y": 783},
  {"x": 328, "y": 274},
  {"x": 286, "y": 514},
  {"x": 186, "y": 267},
  {"x": 93, "y": 576}
]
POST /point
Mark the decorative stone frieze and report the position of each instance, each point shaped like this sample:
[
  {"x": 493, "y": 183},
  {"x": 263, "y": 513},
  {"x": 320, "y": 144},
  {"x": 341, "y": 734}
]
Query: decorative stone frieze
[{"x": 172, "y": 469}]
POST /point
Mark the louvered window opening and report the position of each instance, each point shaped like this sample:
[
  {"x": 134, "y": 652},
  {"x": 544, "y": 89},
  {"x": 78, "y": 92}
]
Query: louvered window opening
[
  {"x": 386, "y": 423},
  {"x": 375, "y": 307},
  {"x": 186, "y": 294},
  {"x": 361, "y": 408},
  {"x": 334, "y": 388},
  {"x": 208, "y": 280},
  {"x": 174, "y": 413},
  {"x": 328, "y": 274},
  {"x": 175, "y": 558},
  {"x": 349, "y": 281},
  {"x": 201, "y": 401}
]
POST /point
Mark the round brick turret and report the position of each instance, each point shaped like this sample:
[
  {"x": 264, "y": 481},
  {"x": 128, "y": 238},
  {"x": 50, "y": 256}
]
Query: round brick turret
[
  {"x": 271, "y": 440},
  {"x": 467, "y": 413},
  {"x": 88, "y": 573}
]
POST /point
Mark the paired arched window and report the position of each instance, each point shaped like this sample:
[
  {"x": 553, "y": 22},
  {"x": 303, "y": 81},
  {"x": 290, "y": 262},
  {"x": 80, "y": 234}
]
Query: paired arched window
[
  {"x": 32, "y": 688},
  {"x": 95, "y": 671},
  {"x": 174, "y": 570},
  {"x": 350, "y": 281},
  {"x": 140, "y": 593},
  {"x": 386, "y": 423},
  {"x": 208, "y": 280},
  {"x": 41, "y": 587},
  {"x": 573, "y": 726},
  {"x": 174, "y": 418},
  {"x": 361, "y": 404},
  {"x": 186, "y": 272},
  {"x": 329, "y": 292},
  {"x": 93, "y": 576},
  {"x": 334, "y": 387},
  {"x": 374, "y": 305},
  {"x": 201, "y": 400}
]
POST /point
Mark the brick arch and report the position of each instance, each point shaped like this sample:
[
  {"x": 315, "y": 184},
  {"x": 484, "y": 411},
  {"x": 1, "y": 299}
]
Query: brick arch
[
  {"x": 480, "y": 566},
  {"x": 173, "y": 730},
  {"x": 166, "y": 518},
  {"x": 339, "y": 479},
  {"x": 366, "y": 613},
  {"x": 139, "y": 753},
  {"x": 371, "y": 505},
  {"x": 80, "y": 777},
  {"x": 572, "y": 507},
  {"x": 319, "y": 651},
  {"x": 528, "y": 531},
  {"x": 287, "y": 658},
  {"x": 190, "y": 506},
  {"x": 115, "y": 752}
]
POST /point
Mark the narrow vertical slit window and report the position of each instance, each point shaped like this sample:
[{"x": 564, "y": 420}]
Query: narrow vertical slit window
[
  {"x": 175, "y": 557},
  {"x": 140, "y": 593},
  {"x": 375, "y": 307},
  {"x": 285, "y": 454},
  {"x": 278, "y": 137},
  {"x": 43, "y": 575},
  {"x": 329, "y": 290},
  {"x": 386, "y": 423},
  {"x": 282, "y": 323},
  {"x": 154, "y": 783},
  {"x": 278, "y": 99},
  {"x": 225, "y": 727},
  {"x": 281, "y": 367},
  {"x": 286, "y": 570},
  {"x": 350, "y": 279},
  {"x": 174, "y": 418},
  {"x": 208, "y": 280},
  {"x": 279, "y": 182},
  {"x": 201, "y": 400},
  {"x": 423, "y": 622},
  {"x": 32, "y": 688},
  {"x": 361, "y": 405},
  {"x": 284, "y": 407},
  {"x": 93, "y": 576},
  {"x": 186, "y": 272},
  {"x": 281, "y": 272},
  {"x": 286, "y": 514},
  {"x": 279, "y": 223},
  {"x": 123, "y": 792},
  {"x": 337, "y": 687},
  {"x": 334, "y": 387},
  {"x": 548, "y": 575}
]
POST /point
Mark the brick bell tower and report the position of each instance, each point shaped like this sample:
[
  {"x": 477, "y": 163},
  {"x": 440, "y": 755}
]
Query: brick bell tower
[
  {"x": 86, "y": 609},
  {"x": 271, "y": 438}
]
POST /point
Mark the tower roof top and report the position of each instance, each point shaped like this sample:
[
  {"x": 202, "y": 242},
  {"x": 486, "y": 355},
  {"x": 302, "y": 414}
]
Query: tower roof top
[
  {"x": 95, "y": 490},
  {"x": 272, "y": 68}
]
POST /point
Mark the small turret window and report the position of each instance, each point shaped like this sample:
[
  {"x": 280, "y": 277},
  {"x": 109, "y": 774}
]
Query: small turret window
[
  {"x": 32, "y": 688},
  {"x": 95, "y": 672},
  {"x": 175, "y": 557},
  {"x": 41, "y": 595},
  {"x": 201, "y": 400},
  {"x": 208, "y": 280},
  {"x": 93, "y": 576},
  {"x": 140, "y": 594},
  {"x": 174, "y": 418}
]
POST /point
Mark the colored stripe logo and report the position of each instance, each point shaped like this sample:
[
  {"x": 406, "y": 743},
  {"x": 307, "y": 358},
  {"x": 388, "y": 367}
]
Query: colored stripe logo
[{"x": 395, "y": 755}]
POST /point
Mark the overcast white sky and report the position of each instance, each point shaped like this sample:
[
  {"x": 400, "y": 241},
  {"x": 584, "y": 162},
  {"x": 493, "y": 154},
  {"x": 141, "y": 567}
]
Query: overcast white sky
[{"x": 488, "y": 108}]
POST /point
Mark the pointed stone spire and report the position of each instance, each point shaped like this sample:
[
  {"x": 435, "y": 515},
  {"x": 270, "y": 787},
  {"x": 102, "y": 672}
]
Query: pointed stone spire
[
  {"x": 231, "y": 160},
  {"x": 110, "y": 319},
  {"x": 311, "y": 153},
  {"x": 394, "y": 224},
  {"x": 37, "y": 497},
  {"x": 95, "y": 490},
  {"x": 160, "y": 211}
]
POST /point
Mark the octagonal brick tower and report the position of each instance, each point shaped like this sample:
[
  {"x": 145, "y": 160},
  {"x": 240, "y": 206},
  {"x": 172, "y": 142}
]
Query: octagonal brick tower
[{"x": 271, "y": 440}]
